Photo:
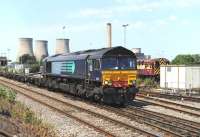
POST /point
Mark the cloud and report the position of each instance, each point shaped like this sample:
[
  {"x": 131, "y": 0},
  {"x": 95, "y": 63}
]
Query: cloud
[
  {"x": 161, "y": 22},
  {"x": 186, "y": 3},
  {"x": 172, "y": 18},
  {"x": 57, "y": 29},
  {"x": 137, "y": 25},
  {"x": 153, "y": 5},
  {"x": 166, "y": 20},
  {"x": 121, "y": 8},
  {"x": 103, "y": 13},
  {"x": 185, "y": 22}
]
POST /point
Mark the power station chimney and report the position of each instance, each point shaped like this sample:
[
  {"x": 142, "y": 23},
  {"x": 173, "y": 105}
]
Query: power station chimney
[
  {"x": 25, "y": 47},
  {"x": 41, "y": 49},
  {"x": 62, "y": 46},
  {"x": 109, "y": 35}
]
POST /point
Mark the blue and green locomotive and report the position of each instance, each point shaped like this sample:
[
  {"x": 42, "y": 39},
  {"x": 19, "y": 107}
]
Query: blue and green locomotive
[{"x": 107, "y": 75}]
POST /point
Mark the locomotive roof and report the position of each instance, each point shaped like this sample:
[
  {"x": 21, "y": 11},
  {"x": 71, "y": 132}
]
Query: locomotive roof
[
  {"x": 151, "y": 61},
  {"x": 92, "y": 54}
]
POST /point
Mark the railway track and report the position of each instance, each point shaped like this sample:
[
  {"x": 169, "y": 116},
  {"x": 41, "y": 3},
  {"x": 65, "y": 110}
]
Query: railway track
[
  {"x": 8, "y": 128},
  {"x": 163, "y": 124},
  {"x": 181, "y": 121},
  {"x": 99, "y": 122},
  {"x": 193, "y": 111},
  {"x": 167, "y": 125},
  {"x": 170, "y": 125},
  {"x": 177, "y": 125},
  {"x": 170, "y": 96},
  {"x": 5, "y": 134}
]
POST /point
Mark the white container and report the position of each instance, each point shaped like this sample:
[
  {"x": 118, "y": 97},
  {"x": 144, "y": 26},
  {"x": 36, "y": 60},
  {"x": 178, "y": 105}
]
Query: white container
[{"x": 180, "y": 77}]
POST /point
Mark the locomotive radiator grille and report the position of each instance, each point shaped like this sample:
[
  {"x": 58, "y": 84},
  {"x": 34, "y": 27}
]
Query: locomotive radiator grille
[{"x": 124, "y": 78}]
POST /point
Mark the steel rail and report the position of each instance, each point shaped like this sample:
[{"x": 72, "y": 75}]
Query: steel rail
[
  {"x": 170, "y": 125},
  {"x": 58, "y": 110},
  {"x": 13, "y": 86},
  {"x": 169, "y": 105},
  {"x": 187, "y": 123},
  {"x": 5, "y": 134},
  {"x": 171, "y": 96}
]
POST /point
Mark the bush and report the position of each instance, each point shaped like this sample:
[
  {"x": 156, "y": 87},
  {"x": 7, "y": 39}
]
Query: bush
[
  {"x": 31, "y": 125},
  {"x": 139, "y": 82},
  {"x": 146, "y": 82},
  {"x": 11, "y": 96},
  {"x": 149, "y": 82},
  {"x": 7, "y": 94},
  {"x": 34, "y": 68},
  {"x": 3, "y": 94}
]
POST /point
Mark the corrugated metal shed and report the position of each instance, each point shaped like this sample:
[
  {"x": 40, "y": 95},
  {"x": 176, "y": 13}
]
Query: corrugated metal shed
[{"x": 180, "y": 77}]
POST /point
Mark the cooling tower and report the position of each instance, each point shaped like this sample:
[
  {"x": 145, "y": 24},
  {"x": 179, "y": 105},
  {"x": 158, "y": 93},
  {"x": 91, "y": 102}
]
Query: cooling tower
[
  {"x": 25, "y": 47},
  {"x": 41, "y": 49},
  {"x": 109, "y": 35},
  {"x": 62, "y": 46}
]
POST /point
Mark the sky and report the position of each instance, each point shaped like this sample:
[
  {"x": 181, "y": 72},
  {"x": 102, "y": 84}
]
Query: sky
[{"x": 162, "y": 28}]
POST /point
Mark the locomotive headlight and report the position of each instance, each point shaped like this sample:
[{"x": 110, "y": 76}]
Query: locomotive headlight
[
  {"x": 110, "y": 83},
  {"x": 106, "y": 82}
]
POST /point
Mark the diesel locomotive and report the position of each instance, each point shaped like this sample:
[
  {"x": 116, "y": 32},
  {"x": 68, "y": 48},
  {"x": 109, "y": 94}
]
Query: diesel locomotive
[
  {"x": 105, "y": 75},
  {"x": 150, "y": 68}
]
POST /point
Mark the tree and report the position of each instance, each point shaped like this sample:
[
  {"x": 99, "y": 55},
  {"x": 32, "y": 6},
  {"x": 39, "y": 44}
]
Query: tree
[
  {"x": 196, "y": 58},
  {"x": 27, "y": 59},
  {"x": 186, "y": 59}
]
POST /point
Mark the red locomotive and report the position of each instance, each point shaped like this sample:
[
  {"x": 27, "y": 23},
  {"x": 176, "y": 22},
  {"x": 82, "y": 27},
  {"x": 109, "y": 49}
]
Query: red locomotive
[{"x": 150, "y": 67}]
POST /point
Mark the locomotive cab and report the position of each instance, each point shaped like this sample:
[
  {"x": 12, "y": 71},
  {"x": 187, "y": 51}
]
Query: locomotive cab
[
  {"x": 119, "y": 72},
  {"x": 119, "y": 76}
]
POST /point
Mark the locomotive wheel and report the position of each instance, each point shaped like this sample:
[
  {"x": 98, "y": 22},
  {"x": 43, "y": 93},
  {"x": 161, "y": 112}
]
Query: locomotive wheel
[
  {"x": 81, "y": 92},
  {"x": 87, "y": 94},
  {"x": 97, "y": 97},
  {"x": 97, "y": 94}
]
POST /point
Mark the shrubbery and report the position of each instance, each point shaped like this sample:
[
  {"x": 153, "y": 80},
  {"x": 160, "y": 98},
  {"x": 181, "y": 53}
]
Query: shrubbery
[
  {"x": 186, "y": 59},
  {"x": 146, "y": 82},
  {"x": 7, "y": 94},
  {"x": 32, "y": 125}
]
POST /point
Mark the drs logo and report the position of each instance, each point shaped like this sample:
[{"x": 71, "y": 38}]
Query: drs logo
[{"x": 68, "y": 67}]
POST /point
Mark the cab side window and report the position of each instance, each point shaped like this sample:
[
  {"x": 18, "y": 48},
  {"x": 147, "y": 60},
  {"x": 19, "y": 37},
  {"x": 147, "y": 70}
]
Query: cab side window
[
  {"x": 48, "y": 67},
  {"x": 96, "y": 64},
  {"x": 90, "y": 66}
]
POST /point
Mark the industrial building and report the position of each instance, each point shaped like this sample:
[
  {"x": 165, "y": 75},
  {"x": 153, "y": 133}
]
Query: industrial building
[
  {"x": 139, "y": 54},
  {"x": 180, "y": 77},
  {"x": 3, "y": 61}
]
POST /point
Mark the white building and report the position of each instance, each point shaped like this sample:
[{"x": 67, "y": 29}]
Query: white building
[{"x": 180, "y": 77}]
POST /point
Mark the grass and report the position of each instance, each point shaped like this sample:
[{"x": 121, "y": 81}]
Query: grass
[
  {"x": 30, "y": 124},
  {"x": 146, "y": 82}
]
